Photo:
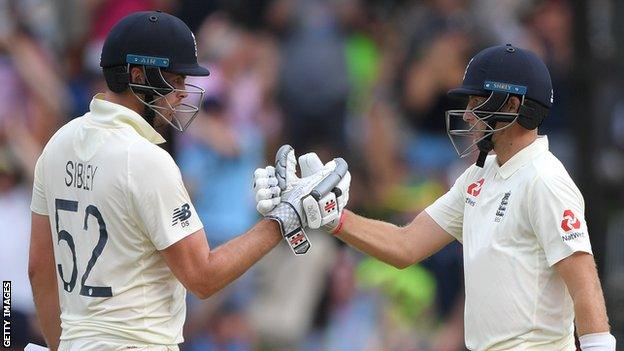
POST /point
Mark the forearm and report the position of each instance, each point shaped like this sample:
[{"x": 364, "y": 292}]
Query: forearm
[
  {"x": 229, "y": 261},
  {"x": 382, "y": 240},
  {"x": 45, "y": 294},
  {"x": 590, "y": 311},
  {"x": 579, "y": 273}
]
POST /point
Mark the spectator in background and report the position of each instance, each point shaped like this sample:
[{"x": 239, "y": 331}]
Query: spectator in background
[
  {"x": 32, "y": 99},
  {"x": 312, "y": 91},
  {"x": 14, "y": 219},
  {"x": 225, "y": 146},
  {"x": 440, "y": 41},
  {"x": 33, "y": 92},
  {"x": 349, "y": 315},
  {"x": 313, "y": 77},
  {"x": 548, "y": 28}
]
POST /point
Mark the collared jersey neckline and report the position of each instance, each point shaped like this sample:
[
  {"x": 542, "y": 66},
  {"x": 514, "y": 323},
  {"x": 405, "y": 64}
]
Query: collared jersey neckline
[
  {"x": 524, "y": 156},
  {"x": 106, "y": 112}
]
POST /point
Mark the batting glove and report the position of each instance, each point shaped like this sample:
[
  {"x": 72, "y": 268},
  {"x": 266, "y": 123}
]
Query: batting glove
[
  {"x": 266, "y": 191},
  {"x": 294, "y": 205},
  {"x": 322, "y": 211}
]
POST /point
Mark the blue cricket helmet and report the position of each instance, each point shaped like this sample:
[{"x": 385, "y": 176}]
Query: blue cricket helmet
[
  {"x": 498, "y": 73},
  {"x": 506, "y": 64},
  {"x": 156, "y": 42}
]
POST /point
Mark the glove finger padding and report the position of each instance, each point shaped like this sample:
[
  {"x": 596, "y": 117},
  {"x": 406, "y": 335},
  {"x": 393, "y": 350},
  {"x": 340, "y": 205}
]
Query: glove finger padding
[
  {"x": 337, "y": 168},
  {"x": 267, "y": 205},
  {"x": 309, "y": 164},
  {"x": 342, "y": 198},
  {"x": 342, "y": 191},
  {"x": 321, "y": 206},
  {"x": 286, "y": 167},
  {"x": 266, "y": 191},
  {"x": 264, "y": 183},
  {"x": 320, "y": 212}
]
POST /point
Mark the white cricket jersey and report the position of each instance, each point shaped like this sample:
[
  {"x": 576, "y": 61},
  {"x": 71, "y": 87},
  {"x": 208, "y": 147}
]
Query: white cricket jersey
[
  {"x": 515, "y": 222},
  {"x": 114, "y": 199}
]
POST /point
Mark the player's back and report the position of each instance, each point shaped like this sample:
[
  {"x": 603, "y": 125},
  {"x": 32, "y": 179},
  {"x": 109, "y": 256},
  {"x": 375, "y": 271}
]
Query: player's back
[{"x": 114, "y": 285}]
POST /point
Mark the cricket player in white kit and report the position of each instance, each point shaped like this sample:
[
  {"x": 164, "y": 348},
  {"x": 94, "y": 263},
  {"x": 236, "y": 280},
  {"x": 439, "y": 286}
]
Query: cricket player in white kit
[
  {"x": 115, "y": 238},
  {"x": 530, "y": 276}
]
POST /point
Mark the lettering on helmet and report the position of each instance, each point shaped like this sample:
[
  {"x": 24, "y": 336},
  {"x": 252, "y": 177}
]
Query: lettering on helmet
[
  {"x": 147, "y": 60},
  {"x": 504, "y": 87}
]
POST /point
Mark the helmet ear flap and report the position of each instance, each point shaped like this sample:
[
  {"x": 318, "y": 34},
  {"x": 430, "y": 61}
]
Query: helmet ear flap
[
  {"x": 531, "y": 114},
  {"x": 117, "y": 78}
]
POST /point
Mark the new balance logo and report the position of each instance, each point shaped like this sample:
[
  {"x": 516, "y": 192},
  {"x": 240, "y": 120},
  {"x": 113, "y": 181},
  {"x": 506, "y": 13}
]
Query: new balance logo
[{"x": 181, "y": 215}]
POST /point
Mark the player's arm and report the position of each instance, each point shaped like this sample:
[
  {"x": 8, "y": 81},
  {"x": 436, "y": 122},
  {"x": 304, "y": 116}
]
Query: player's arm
[
  {"x": 42, "y": 274},
  {"x": 580, "y": 276},
  {"x": 435, "y": 227},
  {"x": 204, "y": 271},
  {"x": 558, "y": 218},
  {"x": 398, "y": 246}
]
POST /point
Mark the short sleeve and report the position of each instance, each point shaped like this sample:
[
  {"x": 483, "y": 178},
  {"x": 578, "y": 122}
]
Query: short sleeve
[
  {"x": 38, "y": 202},
  {"x": 448, "y": 210},
  {"x": 557, "y": 215},
  {"x": 160, "y": 200}
]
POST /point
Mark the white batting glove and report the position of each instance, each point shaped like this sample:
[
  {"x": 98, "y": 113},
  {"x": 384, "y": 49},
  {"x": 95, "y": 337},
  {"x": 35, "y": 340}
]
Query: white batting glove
[
  {"x": 266, "y": 191},
  {"x": 321, "y": 211},
  {"x": 298, "y": 204}
]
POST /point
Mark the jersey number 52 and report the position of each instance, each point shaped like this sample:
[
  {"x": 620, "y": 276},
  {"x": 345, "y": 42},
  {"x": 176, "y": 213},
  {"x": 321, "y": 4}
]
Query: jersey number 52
[{"x": 63, "y": 235}]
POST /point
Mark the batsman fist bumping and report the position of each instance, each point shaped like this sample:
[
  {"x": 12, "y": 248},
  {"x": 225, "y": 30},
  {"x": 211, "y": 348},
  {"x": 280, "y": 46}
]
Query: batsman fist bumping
[
  {"x": 530, "y": 276},
  {"x": 316, "y": 199},
  {"x": 115, "y": 238}
]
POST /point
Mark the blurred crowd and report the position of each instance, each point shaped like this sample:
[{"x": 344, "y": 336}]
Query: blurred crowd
[{"x": 361, "y": 79}]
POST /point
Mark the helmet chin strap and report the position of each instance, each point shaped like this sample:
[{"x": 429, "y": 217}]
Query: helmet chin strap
[
  {"x": 485, "y": 145},
  {"x": 487, "y": 109}
]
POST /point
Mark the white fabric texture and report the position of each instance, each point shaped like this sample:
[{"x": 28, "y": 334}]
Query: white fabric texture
[
  {"x": 515, "y": 221},
  {"x": 102, "y": 180},
  {"x": 597, "y": 342}
]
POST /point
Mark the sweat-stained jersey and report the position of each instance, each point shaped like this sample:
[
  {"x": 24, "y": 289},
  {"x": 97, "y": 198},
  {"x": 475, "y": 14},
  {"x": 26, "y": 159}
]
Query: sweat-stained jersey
[
  {"x": 515, "y": 222},
  {"x": 114, "y": 199}
]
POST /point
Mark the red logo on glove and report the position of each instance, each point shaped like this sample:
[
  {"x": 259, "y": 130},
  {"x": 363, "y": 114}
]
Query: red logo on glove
[
  {"x": 474, "y": 189},
  {"x": 330, "y": 206},
  {"x": 570, "y": 221},
  {"x": 296, "y": 239}
]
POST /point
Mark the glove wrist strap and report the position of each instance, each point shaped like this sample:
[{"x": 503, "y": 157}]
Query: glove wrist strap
[
  {"x": 338, "y": 228},
  {"x": 291, "y": 227}
]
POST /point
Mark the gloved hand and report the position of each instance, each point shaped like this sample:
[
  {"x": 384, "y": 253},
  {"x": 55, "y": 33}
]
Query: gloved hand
[
  {"x": 318, "y": 197},
  {"x": 266, "y": 191},
  {"x": 322, "y": 211}
]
